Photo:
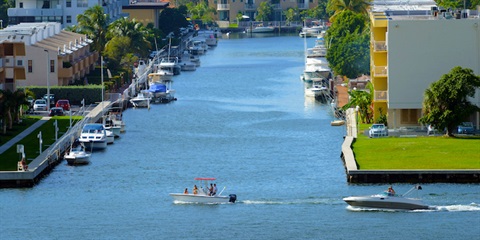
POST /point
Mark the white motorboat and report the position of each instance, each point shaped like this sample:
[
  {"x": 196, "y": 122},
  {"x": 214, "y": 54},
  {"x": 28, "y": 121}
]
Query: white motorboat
[
  {"x": 197, "y": 46},
  {"x": 317, "y": 89},
  {"x": 319, "y": 50},
  {"x": 260, "y": 29},
  {"x": 202, "y": 195},
  {"x": 161, "y": 93},
  {"x": 77, "y": 155},
  {"x": 171, "y": 64},
  {"x": 94, "y": 136},
  {"x": 110, "y": 136},
  {"x": 387, "y": 200},
  {"x": 210, "y": 37},
  {"x": 316, "y": 68},
  {"x": 141, "y": 100}
]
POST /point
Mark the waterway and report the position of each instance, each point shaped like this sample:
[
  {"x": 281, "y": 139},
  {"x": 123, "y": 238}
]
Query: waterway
[{"x": 241, "y": 117}]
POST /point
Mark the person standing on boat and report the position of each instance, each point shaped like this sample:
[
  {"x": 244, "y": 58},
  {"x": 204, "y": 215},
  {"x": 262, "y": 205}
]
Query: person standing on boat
[
  {"x": 214, "y": 192},
  {"x": 186, "y": 191},
  {"x": 195, "y": 189},
  {"x": 210, "y": 190}
]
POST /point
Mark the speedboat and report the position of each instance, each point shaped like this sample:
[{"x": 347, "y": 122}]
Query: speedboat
[
  {"x": 140, "y": 100},
  {"x": 94, "y": 136},
  {"x": 202, "y": 195},
  {"x": 261, "y": 29},
  {"x": 387, "y": 200},
  {"x": 77, "y": 155},
  {"x": 161, "y": 92}
]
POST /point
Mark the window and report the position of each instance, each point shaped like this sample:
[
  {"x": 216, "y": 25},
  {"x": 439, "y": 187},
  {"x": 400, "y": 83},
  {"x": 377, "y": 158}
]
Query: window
[
  {"x": 69, "y": 19},
  {"x": 52, "y": 66},
  {"x": 82, "y": 3},
  {"x": 409, "y": 116},
  {"x": 69, "y": 3},
  {"x": 20, "y": 5},
  {"x": 19, "y": 62},
  {"x": 30, "y": 68}
]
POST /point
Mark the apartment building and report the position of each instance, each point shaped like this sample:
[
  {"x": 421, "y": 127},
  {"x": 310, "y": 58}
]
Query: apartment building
[
  {"x": 42, "y": 54},
  {"x": 412, "y": 45},
  {"x": 61, "y": 11},
  {"x": 227, "y": 10}
]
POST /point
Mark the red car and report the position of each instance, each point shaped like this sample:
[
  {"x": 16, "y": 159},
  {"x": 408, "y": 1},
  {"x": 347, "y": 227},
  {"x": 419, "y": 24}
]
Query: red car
[{"x": 63, "y": 103}]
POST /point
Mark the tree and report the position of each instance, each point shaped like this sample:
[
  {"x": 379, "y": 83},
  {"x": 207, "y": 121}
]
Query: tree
[
  {"x": 6, "y": 4},
  {"x": 171, "y": 20},
  {"x": 292, "y": 14},
  {"x": 94, "y": 23},
  {"x": 362, "y": 99},
  {"x": 348, "y": 41},
  {"x": 201, "y": 11},
  {"x": 445, "y": 103},
  {"x": 357, "y": 6},
  {"x": 456, "y": 4},
  {"x": 318, "y": 12},
  {"x": 134, "y": 30},
  {"x": 265, "y": 12}
]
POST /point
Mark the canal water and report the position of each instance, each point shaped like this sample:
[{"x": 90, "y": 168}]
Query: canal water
[{"x": 242, "y": 118}]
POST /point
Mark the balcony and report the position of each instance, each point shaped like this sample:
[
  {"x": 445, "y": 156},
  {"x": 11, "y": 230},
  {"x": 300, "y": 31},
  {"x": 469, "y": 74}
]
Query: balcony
[
  {"x": 380, "y": 71},
  {"x": 223, "y": 7},
  {"x": 380, "y": 96},
  {"x": 379, "y": 46},
  {"x": 302, "y": 5},
  {"x": 34, "y": 12},
  {"x": 250, "y": 6}
]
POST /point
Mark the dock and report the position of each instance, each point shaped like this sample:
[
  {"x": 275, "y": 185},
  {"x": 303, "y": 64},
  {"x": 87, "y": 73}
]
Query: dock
[{"x": 49, "y": 158}]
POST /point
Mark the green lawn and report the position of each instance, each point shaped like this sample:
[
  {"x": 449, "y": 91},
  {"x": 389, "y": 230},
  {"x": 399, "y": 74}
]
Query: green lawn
[
  {"x": 18, "y": 128},
  {"x": 10, "y": 157},
  {"x": 417, "y": 153}
]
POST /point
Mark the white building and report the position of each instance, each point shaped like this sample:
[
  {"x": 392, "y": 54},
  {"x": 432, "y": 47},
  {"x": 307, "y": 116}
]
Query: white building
[
  {"x": 41, "y": 54},
  {"x": 62, "y": 11},
  {"x": 413, "y": 44}
]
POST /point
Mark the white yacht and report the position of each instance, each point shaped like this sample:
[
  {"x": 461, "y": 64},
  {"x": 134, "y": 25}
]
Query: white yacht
[
  {"x": 77, "y": 155},
  {"x": 94, "y": 136},
  {"x": 316, "y": 68}
]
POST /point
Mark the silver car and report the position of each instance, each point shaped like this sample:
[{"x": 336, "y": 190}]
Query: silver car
[
  {"x": 378, "y": 130},
  {"x": 40, "y": 105}
]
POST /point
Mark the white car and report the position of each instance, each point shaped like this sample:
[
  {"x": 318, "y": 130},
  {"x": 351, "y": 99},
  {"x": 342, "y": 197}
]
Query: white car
[
  {"x": 40, "y": 105},
  {"x": 378, "y": 130}
]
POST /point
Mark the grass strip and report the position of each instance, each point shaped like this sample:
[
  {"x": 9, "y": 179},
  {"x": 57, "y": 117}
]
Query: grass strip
[{"x": 10, "y": 157}]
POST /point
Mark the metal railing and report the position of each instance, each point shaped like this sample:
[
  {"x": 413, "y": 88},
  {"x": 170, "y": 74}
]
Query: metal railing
[
  {"x": 380, "y": 95},
  {"x": 380, "y": 71}
]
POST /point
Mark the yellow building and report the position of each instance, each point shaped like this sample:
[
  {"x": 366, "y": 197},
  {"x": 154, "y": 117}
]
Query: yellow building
[
  {"x": 145, "y": 12},
  {"x": 412, "y": 46}
]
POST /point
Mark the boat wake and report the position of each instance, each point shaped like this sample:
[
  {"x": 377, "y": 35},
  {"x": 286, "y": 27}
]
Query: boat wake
[
  {"x": 325, "y": 201},
  {"x": 473, "y": 207}
]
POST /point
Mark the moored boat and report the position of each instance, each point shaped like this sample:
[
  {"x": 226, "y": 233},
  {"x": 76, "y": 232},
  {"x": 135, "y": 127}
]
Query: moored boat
[
  {"x": 77, "y": 155},
  {"x": 94, "y": 136}
]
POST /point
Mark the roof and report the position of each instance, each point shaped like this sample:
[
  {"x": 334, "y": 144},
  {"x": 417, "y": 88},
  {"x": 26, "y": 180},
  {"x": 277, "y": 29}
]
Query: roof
[{"x": 401, "y": 5}]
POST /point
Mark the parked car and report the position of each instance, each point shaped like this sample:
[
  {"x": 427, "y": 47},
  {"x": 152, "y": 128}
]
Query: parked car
[
  {"x": 52, "y": 98},
  {"x": 30, "y": 101},
  {"x": 56, "y": 111},
  {"x": 63, "y": 103},
  {"x": 40, "y": 105},
  {"x": 378, "y": 130},
  {"x": 466, "y": 128}
]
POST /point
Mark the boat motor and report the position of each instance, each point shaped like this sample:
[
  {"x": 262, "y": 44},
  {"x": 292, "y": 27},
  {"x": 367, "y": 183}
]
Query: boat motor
[{"x": 233, "y": 198}]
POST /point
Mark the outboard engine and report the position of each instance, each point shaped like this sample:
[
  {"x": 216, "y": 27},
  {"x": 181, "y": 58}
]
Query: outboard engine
[{"x": 233, "y": 198}]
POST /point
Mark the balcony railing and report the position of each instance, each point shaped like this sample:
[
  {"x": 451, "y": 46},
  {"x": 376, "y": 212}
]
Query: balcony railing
[
  {"x": 380, "y": 95},
  {"x": 380, "y": 71},
  {"x": 223, "y": 7},
  {"x": 380, "y": 46},
  {"x": 250, "y": 6},
  {"x": 302, "y": 5},
  {"x": 34, "y": 12}
]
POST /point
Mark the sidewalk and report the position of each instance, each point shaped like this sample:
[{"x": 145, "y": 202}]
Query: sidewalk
[{"x": 23, "y": 134}]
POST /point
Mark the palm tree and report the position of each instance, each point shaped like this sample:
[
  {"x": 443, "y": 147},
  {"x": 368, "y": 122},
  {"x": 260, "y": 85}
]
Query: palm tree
[
  {"x": 357, "y": 6},
  {"x": 362, "y": 99},
  {"x": 94, "y": 22},
  {"x": 134, "y": 30},
  {"x": 6, "y": 104}
]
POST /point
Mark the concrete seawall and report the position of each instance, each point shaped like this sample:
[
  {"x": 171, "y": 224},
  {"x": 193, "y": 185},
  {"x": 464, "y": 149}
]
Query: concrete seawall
[
  {"x": 355, "y": 175},
  {"x": 51, "y": 157}
]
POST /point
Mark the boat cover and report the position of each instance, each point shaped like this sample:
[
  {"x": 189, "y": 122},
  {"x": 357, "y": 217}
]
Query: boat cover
[{"x": 155, "y": 88}]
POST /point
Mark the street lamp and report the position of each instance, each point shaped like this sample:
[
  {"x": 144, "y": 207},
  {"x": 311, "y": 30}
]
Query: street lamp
[
  {"x": 48, "y": 79},
  {"x": 357, "y": 108}
]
